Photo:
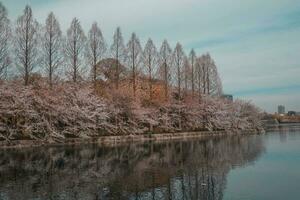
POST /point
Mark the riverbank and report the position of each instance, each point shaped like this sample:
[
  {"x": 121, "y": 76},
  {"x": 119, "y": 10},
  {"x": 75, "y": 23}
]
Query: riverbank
[
  {"x": 281, "y": 119},
  {"x": 70, "y": 111},
  {"x": 122, "y": 139}
]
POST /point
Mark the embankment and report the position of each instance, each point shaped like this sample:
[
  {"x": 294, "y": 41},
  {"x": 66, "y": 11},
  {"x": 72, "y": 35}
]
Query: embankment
[{"x": 115, "y": 140}]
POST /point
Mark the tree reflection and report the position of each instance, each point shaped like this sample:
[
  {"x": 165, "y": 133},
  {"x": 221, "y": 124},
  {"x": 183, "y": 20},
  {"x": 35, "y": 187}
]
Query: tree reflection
[{"x": 195, "y": 169}]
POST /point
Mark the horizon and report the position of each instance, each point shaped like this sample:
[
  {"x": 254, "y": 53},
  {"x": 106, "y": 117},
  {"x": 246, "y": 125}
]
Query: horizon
[{"x": 253, "y": 43}]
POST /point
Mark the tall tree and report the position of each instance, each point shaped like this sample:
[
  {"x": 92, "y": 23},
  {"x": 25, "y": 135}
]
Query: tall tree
[
  {"x": 199, "y": 75},
  {"x": 214, "y": 84},
  {"x": 117, "y": 50},
  {"x": 210, "y": 80},
  {"x": 186, "y": 74},
  {"x": 205, "y": 71},
  {"x": 192, "y": 60},
  {"x": 75, "y": 44},
  {"x": 134, "y": 56},
  {"x": 96, "y": 49},
  {"x": 178, "y": 62},
  {"x": 165, "y": 60},
  {"x": 150, "y": 61},
  {"x": 26, "y": 43},
  {"x": 5, "y": 34},
  {"x": 52, "y": 47}
]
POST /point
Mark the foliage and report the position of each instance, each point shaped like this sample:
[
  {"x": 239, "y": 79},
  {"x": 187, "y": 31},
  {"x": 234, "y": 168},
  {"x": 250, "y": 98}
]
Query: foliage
[{"x": 67, "y": 110}]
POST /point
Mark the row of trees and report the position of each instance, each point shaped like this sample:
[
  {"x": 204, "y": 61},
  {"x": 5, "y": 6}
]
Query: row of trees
[
  {"x": 136, "y": 89},
  {"x": 44, "y": 48}
]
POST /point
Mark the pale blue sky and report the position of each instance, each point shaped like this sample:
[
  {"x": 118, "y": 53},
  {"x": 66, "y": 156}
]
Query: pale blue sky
[{"x": 255, "y": 43}]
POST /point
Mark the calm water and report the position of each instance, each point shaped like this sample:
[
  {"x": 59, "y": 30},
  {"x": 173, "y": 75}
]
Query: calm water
[{"x": 245, "y": 167}]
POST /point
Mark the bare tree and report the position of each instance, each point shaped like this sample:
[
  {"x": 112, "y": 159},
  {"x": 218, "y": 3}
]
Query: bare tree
[
  {"x": 134, "y": 56},
  {"x": 52, "y": 47},
  {"x": 96, "y": 49},
  {"x": 192, "y": 60},
  {"x": 75, "y": 44},
  {"x": 206, "y": 74},
  {"x": 164, "y": 71},
  {"x": 150, "y": 61},
  {"x": 5, "y": 34},
  {"x": 186, "y": 74},
  {"x": 178, "y": 62},
  {"x": 26, "y": 43},
  {"x": 215, "y": 84},
  {"x": 199, "y": 75},
  {"x": 117, "y": 50},
  {"x": 210, "y": 80}
]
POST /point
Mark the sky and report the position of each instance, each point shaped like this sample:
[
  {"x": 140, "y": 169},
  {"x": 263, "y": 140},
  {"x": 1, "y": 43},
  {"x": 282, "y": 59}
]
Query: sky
[{"x": 255, "y": 43}]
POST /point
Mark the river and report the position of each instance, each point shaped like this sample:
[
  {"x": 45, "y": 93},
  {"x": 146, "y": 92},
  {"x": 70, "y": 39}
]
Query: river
[{"x": 250, "y": 167}]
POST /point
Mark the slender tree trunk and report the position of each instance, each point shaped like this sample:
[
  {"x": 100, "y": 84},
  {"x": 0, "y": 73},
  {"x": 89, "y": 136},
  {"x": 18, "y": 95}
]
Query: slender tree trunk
[
  {"x": 204, "y": 79},
  {"x": 74, "y": 62},
  {"x": 95, "y": 66},
  {"x": 95, "y": 76},
  {"x": 26, "y": 75},
  {"x": 133, "y": 71},
  {"x": 150, "y": 78},
  {"x": 166, "y": 81},
  {"x": 50, "y": 60},
  {"x": 193, "y": 82},
  {"x": 50, "y": 72},
  {"x": 185, "y": 82},
  {"x": 199, "y": 85},
  {"x": 117, "y": 68},
  {"x": 179, "y": 80},
  {"x": 208, "y": 83}
]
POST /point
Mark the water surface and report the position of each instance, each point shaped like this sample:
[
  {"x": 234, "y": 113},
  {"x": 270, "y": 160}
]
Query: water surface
[{"x": 241, "y": 167}]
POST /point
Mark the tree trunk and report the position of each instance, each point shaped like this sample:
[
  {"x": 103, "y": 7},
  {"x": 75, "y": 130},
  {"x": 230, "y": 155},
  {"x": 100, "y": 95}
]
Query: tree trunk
[{"x": 166, "y": 81}]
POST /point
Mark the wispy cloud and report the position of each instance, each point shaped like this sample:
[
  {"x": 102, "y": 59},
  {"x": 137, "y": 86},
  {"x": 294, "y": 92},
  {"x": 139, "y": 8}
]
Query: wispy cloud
[
  {"x": 266, "y": 91},
  {"x": 278, "y": 23}
]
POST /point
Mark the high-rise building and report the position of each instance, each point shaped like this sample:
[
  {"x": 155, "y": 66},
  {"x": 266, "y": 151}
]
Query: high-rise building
[
  {"x": 281, "y": 109},
  {"x": 229, "y": 97}
]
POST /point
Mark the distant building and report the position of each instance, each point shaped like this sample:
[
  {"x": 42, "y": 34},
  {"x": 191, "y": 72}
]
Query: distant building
[
  {"x": 228, "y": 97},
  {"x": 281, "y": 109},
  {"x": 292, "y": 113}
]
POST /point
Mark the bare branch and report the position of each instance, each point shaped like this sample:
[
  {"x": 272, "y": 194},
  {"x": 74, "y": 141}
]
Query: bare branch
[
  {"x": 117, "y": 51},
  {"x": 96, "y": 49},
  {"x": 134, "y": 59},
  {"x": 150, "y": 61},
  {"x": 75, "y": 44},
  {"x": 164, "y": 70},
  {"x": 52, "y": 47},
  {"x": 178, "y": 58},
  {"x": 26, "y": 44},
  {"x": 5, "y": 34}
]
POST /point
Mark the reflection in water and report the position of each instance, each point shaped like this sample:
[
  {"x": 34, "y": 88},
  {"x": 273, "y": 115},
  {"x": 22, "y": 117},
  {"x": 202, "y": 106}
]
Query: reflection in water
[
  {"x": 285, "y": 130},
  {"x": 195, "y": 169}
]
